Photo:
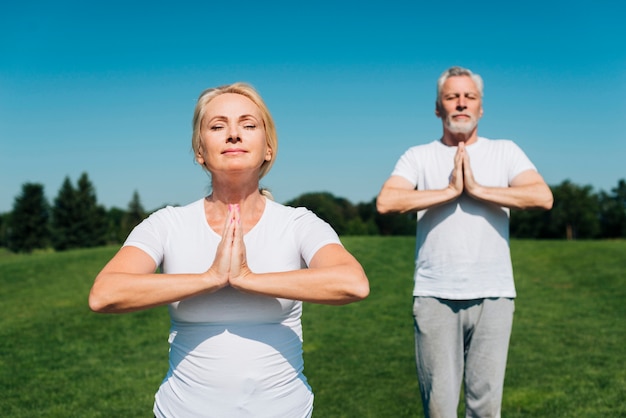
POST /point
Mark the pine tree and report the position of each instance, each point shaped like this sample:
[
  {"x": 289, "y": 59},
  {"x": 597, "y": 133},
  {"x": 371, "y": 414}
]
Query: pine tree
[
  {"x": 135, "y": 213},
  {"x": 65, "y": 217},
  {"x": 28, "y": 223},
  {"x": 77, "y": 219},
  {"x": 115, "y": 230},
  {"x": 4, "y": 229},
  {"x": 613, "y": 211},
  {"x": 92, "y": 217}
]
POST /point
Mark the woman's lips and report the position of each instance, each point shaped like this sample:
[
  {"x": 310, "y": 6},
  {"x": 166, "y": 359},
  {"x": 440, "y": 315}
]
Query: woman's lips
[{"x": 234, "y": 151}]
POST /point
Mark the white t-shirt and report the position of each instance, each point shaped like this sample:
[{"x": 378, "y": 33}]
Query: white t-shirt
[
  {"x": 462, "y": 249},
  {"x": 234, "y": 354}
]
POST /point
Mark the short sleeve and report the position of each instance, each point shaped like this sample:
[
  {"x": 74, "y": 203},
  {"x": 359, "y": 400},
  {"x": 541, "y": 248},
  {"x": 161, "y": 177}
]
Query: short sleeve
[
  {"x": 407, "y": 167},
  {"x": 149, "y": 237},
  {"x": 519, "y": 161},
  {"x": 312, "y": 233}
]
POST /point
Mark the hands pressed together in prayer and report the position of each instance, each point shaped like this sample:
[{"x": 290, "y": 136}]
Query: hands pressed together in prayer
[
  {"x": 230, "y": 266},
  {"x": 462, "y": 177}
]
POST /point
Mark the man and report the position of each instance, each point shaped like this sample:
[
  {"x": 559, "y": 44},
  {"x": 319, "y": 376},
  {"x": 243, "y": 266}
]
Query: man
[{"x": 462, "y": 187}]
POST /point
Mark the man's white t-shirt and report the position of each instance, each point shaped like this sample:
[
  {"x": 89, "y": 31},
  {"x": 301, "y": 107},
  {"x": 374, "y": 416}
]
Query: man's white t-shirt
[
  {"x": 234, "y": 354},
  {"x": 462, "y": 247}
]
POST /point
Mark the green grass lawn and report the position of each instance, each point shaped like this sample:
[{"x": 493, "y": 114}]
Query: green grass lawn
[{"x": 567, "y": 355}]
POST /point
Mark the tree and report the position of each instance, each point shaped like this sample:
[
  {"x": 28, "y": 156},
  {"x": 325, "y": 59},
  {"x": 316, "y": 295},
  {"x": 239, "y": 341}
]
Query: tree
[
  {"x": 574, "y": 214},
  {"x": 135, "y": 213},
  {"x": 367, "y": 218},
  {"x": 28, "y": 222},
  {"x": 77, "y": 219},
  {"x": 115, "y": 231},
  {"x": 530, "y": 224},
  {"x": 65, "y": 218},
  {"x": 397, "y": 223},
  {"x": 389, "y": 224},
  {"x": 327, "y": 207},
  {"x": 93, "y": 220},
  {"x": 4, "y": 229},
  {"x": 613, "y": 212}
]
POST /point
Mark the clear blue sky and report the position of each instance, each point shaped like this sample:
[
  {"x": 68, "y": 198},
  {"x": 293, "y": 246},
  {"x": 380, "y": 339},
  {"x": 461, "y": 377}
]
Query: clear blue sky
[{"x": 108, "y": 88}]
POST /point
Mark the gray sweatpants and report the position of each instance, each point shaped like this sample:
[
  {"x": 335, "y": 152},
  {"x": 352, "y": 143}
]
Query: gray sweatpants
[{"x": 462, "y": 339}]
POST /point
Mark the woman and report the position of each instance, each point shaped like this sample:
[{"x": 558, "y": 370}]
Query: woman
[{"x": 235, "y": 268}]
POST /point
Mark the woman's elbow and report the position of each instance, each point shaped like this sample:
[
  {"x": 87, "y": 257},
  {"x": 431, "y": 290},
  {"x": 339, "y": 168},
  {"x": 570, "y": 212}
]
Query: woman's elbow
[
  {"x": 362, "y": 291},
  {"x": 359, "y": 289},
  {"x": 98, "y": 300},
  {"x": 96, "y": 304}
]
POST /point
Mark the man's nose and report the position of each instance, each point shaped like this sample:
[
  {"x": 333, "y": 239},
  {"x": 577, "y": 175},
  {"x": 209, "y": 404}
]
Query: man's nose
[{"x": 461, "y": 104}]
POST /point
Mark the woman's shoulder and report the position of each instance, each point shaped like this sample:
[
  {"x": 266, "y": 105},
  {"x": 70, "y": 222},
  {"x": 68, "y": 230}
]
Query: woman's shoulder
[
  {"x": 171, "y": 213},
  {"x": 287, "y": 212}
]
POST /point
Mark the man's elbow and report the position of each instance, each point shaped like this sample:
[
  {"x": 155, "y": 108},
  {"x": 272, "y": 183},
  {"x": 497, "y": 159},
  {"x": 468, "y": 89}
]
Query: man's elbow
[
  {"x": 358, "y": 288},
  {"x": 540, "y": 202},
  {"x": 382, "y": 205},
  {"x": 362, "y": 290},
  {"x": 548, "y": 202},
  {"x": 356, "y": 293}
]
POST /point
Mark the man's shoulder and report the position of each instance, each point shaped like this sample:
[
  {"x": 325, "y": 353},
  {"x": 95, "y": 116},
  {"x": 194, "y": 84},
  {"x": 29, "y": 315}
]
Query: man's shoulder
[
  {"x": 428, "y": 146},
  {"x": 495, "y": 141}
]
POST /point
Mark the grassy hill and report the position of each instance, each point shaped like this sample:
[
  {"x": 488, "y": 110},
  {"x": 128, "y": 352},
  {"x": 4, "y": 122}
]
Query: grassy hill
[{"x": 567, "y": 355}]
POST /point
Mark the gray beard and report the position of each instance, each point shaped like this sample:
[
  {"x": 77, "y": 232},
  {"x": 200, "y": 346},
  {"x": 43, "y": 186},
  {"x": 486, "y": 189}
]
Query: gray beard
[{"x": 462, "y": 127}]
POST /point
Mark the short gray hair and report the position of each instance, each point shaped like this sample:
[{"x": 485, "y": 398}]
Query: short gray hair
[{"x": 455, "y": 72}]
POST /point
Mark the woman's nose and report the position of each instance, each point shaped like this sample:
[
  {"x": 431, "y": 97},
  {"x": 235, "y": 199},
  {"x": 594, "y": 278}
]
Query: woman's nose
[{"x": 233, "y": 135}]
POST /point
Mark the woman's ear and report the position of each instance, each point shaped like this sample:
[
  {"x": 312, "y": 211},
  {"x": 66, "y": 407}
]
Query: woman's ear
[
  {"x": 199, "y": 157},
  {"x": 268, "y": 154}
]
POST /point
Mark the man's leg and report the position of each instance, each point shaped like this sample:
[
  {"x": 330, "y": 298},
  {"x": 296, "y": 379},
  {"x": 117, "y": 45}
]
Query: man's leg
[
  {"x": 486, "y": 357},
  {"x": 439, "y": 356}
]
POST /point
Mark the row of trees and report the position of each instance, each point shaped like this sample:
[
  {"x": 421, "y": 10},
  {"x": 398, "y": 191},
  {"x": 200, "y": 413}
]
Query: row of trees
[
  {"x": 578, "y": 213},
  {"x": 76, "y": 220}
]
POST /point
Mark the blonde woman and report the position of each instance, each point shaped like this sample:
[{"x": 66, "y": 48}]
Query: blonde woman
[{"x": 235, "y": 268}]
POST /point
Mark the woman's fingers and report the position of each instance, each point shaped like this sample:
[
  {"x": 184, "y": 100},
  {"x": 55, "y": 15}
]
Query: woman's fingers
[
  {"x": 223, "y": 255},
  {"x": 238, "y": 262}
]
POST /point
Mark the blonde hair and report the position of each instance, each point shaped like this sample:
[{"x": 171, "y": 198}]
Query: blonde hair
[{"x": 245, "y": 90}]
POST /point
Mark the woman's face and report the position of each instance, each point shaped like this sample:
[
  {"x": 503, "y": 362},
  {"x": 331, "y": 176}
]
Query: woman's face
[{"x": 232, "y": 135}]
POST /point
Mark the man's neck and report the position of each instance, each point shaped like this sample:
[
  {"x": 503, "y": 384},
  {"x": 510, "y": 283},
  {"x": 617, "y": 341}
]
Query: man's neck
[{"x": 452, "y": 139}]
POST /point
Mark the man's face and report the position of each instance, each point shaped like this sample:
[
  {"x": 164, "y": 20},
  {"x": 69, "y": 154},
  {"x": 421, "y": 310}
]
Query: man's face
[{"x": 461, "y": 105}]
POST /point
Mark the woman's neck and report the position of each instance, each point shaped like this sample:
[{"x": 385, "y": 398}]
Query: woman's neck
[
  {"x": 234, "y": 189},
  {"x": 251, "y": 204}
]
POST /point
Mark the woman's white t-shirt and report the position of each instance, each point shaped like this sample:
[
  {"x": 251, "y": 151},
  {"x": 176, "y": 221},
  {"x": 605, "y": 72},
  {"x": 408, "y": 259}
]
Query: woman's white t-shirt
[{"x": 234, "y": 354}]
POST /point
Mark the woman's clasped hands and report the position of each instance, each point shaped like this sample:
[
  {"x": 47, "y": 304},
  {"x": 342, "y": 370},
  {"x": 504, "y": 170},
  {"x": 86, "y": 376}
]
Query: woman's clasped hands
[{"x": 230, "y": 266}]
